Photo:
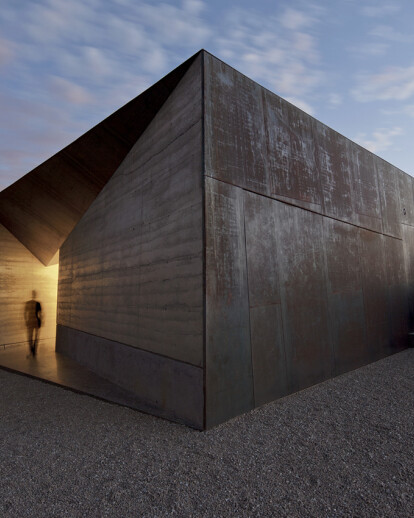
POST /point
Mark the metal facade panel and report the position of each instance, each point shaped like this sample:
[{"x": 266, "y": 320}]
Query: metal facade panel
[
  {"x": 291, "y": 153},
  {"x": 388, "y": 183},
  {"x": 229, "y": 377},
  {"x": 346, "y": 312},
  {"x": 365, "y": 188},
  {"x": 405, "y": 186},
  {"x": 374, "y": 282},
  {"x": 397, "y": 294},
  {"x": 235, "y": 141},
  {"x": 266, "y": 326},
  {"x": 408, "y": 247},
  {"x": 345, "y": 297},
  {"x": 323, "y": 282},
  {"x": 304, "y": 303},
  {"x": 342, "y": 255},
  {"x": 268, "y": 353},
  {"x": 261, "y": 245},
  {"x": 333, "y": 163}
]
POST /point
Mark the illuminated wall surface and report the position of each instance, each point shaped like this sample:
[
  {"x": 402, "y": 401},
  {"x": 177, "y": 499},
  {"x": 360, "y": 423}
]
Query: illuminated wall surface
[
  {"x": 241, "y": 251},
  {"x": 20, "y": 274}
]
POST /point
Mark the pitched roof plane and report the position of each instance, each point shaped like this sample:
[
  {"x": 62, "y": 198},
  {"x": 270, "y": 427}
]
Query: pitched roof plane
[{"x": 42, "y": 207}]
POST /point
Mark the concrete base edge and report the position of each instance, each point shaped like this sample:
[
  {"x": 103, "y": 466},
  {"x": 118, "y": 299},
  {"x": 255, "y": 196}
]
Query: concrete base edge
[{"x": 166, "y": 387}]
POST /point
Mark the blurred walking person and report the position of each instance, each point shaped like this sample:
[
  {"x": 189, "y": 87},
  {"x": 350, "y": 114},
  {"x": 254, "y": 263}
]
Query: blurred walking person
[{"x": 33, "y": 319}]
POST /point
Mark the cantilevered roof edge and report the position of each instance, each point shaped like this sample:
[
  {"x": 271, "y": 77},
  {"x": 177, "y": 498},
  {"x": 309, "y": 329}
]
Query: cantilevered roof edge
[{"x": 41, "y": 208}]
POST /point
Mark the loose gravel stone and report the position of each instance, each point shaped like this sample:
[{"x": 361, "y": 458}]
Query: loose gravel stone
[{"x": 342, "y": 448}]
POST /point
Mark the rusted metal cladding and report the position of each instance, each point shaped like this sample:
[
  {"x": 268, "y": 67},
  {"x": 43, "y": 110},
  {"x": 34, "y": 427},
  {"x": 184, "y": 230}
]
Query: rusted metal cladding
[
  {"x": 345, "y": 295},
  {"x": 405, "y": 186},
  {"x": 264, "y": 292},
  {"x": 235, "y": 147},
  {"x": 290, "y": 153},
  {"x": 301, "y": 261},
  {"x": 333, "y": 164},
  {"x": 365, "y": 187},
  {"x": 397, "y": 294},
  {"x": 408, "y": 250},
  {"x": 374, "y": 283},
  {"x": 260, "y": 142},
  {"x": 388, "y": 185},
  {"x": 310, "y": 241},
  {"x": 229, "y": 377}
]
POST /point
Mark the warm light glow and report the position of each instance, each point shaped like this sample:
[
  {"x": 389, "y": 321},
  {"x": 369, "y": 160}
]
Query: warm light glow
[{"x": 21, "y": 274}]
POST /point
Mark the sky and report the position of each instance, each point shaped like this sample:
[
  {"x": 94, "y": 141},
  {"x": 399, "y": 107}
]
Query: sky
[{"x": 65, "y": 65}]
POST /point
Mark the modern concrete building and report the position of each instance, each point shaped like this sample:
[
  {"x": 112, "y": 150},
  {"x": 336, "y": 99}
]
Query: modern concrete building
[{"x": 218, "y": 248}]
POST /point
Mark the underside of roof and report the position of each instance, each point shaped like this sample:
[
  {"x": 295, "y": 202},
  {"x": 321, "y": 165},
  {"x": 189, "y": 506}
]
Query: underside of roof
[{"x": 42, "y": 207}]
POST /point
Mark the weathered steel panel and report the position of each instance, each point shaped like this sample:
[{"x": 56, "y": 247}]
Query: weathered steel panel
[
  {"x": 261, "y": 245},
  {"x": 229, "y": 378},
  {"x": 266, "y": 327},
  {"x": 365, "y": 188},
  {"x": 408, "y": 248},
  {"x": 346, "y": 311},
  {"x": 291, "y": 153},
  {"x": 345, "y": 297},
  {"x": 388, "y": 185},
  {"x": 317, "y": 282},
  {"x": 406, "y": 191},
  {"x": 374, "y": 282},
  {"x": 397, "y": 294},
  {"x": 333, "y": 163},
  {"x": 304, "y": 303},
  {"x": 235, "y": 142},
  {"x": 268, "y": 353},
  {"x": 341, "y": 242}
]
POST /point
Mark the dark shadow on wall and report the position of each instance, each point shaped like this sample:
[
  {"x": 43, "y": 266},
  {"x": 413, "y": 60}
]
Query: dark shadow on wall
[{"x": 33, "y": 320}]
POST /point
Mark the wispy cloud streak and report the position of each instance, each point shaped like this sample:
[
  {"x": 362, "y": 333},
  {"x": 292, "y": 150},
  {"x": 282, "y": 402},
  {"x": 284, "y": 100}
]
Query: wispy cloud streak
[
  {"x": 381, "y": 140},
  {"x": 393, "y": 83},
  {"x": 280, "y": 51}
]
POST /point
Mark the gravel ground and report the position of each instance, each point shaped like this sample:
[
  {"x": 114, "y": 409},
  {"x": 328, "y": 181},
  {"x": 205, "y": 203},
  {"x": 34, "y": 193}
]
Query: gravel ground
[{"x": 342, "y": 448}]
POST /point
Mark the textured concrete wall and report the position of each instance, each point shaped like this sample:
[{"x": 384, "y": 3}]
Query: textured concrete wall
[
  {"x": 166, "y": 387},
  {"x": 131, "y": 272},
  {"x": 309, "y": 248},
  {"x": 20, "y": 274}
]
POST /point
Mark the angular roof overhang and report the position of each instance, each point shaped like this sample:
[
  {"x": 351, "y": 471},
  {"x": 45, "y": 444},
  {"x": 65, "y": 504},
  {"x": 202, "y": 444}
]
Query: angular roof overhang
[{"x": 43, "y": 207}]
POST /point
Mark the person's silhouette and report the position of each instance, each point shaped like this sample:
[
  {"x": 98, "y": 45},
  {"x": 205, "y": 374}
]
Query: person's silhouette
[{"x": 33, "y": 319}]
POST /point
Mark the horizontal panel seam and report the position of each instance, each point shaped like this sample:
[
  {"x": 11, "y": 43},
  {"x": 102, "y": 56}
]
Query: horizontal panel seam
[
  {"x": 292, "y": 204},
  {"x": 133, "y": 347}
]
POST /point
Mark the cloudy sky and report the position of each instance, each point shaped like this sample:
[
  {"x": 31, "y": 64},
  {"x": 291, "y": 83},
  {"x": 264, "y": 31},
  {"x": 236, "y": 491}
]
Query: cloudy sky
[{"x": 67, "y": 64}]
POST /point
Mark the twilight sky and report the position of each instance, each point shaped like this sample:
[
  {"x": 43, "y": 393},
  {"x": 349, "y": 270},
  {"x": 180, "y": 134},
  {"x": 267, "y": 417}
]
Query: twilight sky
[{"x": 67, "y": 64}]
